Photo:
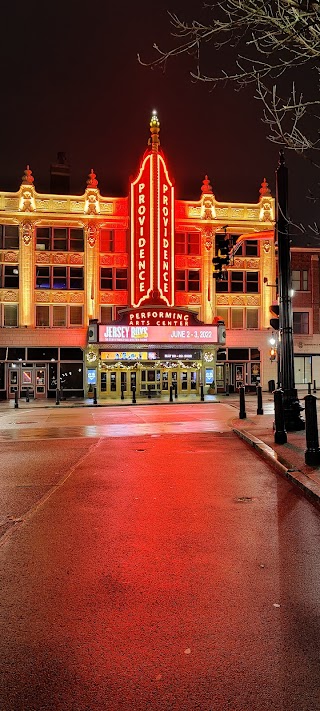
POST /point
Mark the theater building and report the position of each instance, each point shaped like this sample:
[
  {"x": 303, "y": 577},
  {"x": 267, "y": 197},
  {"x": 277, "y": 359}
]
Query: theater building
[{"x": 114, "y": 292}]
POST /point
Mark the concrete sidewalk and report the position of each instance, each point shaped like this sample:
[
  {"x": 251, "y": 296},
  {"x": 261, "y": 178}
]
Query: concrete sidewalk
[{"x": 257, "y": 430}]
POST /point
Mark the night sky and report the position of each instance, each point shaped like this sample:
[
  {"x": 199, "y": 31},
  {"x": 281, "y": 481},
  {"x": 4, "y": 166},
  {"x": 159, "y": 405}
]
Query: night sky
[{"x": 70, "y": 81}]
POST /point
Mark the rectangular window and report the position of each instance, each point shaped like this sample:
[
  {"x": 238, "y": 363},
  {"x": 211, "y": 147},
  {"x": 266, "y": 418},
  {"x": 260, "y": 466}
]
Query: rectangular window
[
  {"x": 236, "y": 318},
  {"x": 300, "y": 280},
  {"x": 59, "y": 316},
  {"x": 42, "y": 316},
  {"x": 10, "y": 315},
  {"x": 9, "y": 236},
  {"x": 252, "y": 282},
  {"x": 60, "y": 239},
  {"x": 9, "y": 276},
  {"x": 252, "y": 318},
  {"x": 106, "y": 240},
  {"x": 187, "y": 280},
  {"x": 301, "y": 322},
  {"x": 76, "y": 316},
  {"x": 223, "y": 313},
  {"x": 113, "y": 279},
  {"x": 251, "y": 248},
  {"x": 106, "y": 314},
  {"x": 187, "y": 243},
  {"x": 237, "y": 282},
  {"x": 59, "y": 278}
]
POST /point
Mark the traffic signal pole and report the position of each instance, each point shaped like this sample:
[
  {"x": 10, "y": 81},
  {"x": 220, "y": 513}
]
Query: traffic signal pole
[{"x": 292, "y": 407}]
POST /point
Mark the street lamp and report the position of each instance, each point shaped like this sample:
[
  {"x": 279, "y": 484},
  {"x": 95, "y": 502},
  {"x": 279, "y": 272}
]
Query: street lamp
[{"x": 292, "y": 407}]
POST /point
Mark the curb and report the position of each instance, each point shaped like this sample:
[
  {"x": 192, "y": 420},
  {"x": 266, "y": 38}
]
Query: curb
[{"x": 309, "y": 488}]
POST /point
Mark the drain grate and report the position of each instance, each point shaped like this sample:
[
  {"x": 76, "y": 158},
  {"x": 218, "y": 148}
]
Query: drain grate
[{"x": 243, "y": 499}]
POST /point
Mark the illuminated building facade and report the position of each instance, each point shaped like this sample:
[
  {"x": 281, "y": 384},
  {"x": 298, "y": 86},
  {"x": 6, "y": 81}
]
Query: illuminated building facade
[{"x": 116, "y": 292}]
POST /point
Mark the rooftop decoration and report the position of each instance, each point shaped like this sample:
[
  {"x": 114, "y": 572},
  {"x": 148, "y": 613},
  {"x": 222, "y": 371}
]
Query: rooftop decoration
[
  {"x": 264, "y": 190},
  {"x": 92, "y": 180},
  {"x": 27, "y": 178},
  {"x": 206, "y": 186}
]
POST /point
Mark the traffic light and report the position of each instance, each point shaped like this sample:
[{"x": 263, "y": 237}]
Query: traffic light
[
  {"x": 217, "y": 263},
  {"x": 274, "y": 322},
  {"x": 223, "y": 251}
]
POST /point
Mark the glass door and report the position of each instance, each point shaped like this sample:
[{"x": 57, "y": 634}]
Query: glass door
[
  {"x": 40, "y": 382},
  {"x": 27, "y": 382},
  {"x": 13, "y": 380}
]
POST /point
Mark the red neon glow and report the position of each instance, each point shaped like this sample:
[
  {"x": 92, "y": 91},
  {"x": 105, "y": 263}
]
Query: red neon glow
[
  {"x": 142, "y": 234},
  {"x": 165, "y": 233},
  {"x": 157, "y": 334}
]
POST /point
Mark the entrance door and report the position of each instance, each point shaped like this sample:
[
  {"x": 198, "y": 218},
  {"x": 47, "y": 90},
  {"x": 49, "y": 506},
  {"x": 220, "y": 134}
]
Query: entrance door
[
  {"x": 27, "y": 382},
  {"x": 41, "y": 385},
  {"x": 189, "y": 381},
  {"x": 13, "y": 381}
]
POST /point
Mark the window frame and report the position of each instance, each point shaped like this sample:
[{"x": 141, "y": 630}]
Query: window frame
[
  {"x": 115, "y": 282},
  {"x": 69, "y": 273},
  {"x": 54, "y": 242},
  {"x": 185, "y": 282}
]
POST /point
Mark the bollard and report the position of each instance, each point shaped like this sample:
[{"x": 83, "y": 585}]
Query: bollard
[
  {"x": 57, "y": 397},
  {"x": 175, "y": 389},
  {"x": 122, "y": 392},
  {"x": 227, "y": 388},
  {"x": 309, "y": 388},
  {"x": 95, "y": 402},
  {"x": 149, "y": 392},
  {"x": 27, "y": 395},
  {"x": 171, "y": 394},
  {"x": 280, "y": 434},
  {"x": 16, "y": 399},
  {"x": 312, "y": 453},
  {"x": 242, "y": 413},
  {"x": 133, "y": 394},
  {"x": 314, "y": 386},
  {"x": 201, "y": 393},
  {"x": 259, "y": 395}
]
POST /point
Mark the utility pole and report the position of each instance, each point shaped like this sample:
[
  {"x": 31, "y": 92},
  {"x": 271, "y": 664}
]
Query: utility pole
[{"x": 292, "y": 407}]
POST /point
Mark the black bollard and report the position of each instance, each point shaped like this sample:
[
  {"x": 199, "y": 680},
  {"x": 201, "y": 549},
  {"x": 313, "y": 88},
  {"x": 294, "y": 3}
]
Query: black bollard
[
  {"x": 176, "y": 389},
  {"x": 227, "y": 388},
  {"x": 309, "y": 388},
  {"x": 16, "y": 399},
  {"x": 95, "y": 401},
  {"x": 314, "y": 386},
  {"x": 27, "y": 395},
  {"x": 149, "y": 392},
  {"x": 312, "y": 453},
  {"x": 259, "y": 395},
  {"x": 122, "y": 392},
  {"x": 201, "y": 393},
  {"x": 57, "y": 397},
  {"x": 242, "y": 413},
  {"x": 280, "y": 434},
  {"x": 171, "y": 394},
  {"x": 133, "y": 394}
]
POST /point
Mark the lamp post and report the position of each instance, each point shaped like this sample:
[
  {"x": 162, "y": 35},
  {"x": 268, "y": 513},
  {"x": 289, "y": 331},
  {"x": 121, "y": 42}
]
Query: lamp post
[{"x": 292, "y": 407}]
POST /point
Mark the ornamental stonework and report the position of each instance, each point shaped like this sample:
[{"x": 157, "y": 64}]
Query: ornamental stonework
[
  {"x": 76, "y": 297},
  {"x": 222, "y": 300},
  {"x": 186, "y": 262},
  {"x": 238, "y": 301},
  {"x": 194, "y": 299},
  {"x": 237, "y": 212},
  {"x": 76, "y": 206},
  {"x": 119, "y": 298},
  {"x": 107, "y": 260},
  {"x": 43, "y": 257},
  {"x": 239, "y": 263},
  {"x": 75, "y": 258},
  {"x": 252, "y": 214},
  {"x": 59, "y": 297},
  {"x": 266, "y": 247},
  {"x": 61, "y": 205},
  {"x": 92, "y": 234},
  {"x": 43, "y": 205},
  {"x": 27, "y": 233},
  {"x": 11, "y": 203},
  {"x": 59, "y": 258},
  {"x": 253, "y": 300},
  {"x": 10, "y": 296},
  {"x": 194, "y": 211},
  {"x": 106, "y": 208},
  {"x": 42, "y": 297},
  {"x": 11, "y": 257},
  {"x": 252, "y": 263},
  {"x": 222, "y": 211},
  {"x": 182, "y": 299}
]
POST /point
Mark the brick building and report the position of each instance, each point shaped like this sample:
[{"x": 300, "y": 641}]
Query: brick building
[{"x": 113, "y": 292}]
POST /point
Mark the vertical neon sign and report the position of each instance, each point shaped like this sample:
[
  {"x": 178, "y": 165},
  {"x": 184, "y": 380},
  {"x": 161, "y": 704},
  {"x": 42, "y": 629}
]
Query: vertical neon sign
[
  {"x": 165, "y": 231},
  {"x": 142, "y": 234}
]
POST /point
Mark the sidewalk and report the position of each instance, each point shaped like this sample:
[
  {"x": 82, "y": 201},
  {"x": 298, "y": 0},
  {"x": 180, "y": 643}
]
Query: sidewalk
[{"x": 257, "y": 430}]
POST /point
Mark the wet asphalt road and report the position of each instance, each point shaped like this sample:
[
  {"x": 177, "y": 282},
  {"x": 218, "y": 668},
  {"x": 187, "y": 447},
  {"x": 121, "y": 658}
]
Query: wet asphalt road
[{"x": 150, "y": 560}]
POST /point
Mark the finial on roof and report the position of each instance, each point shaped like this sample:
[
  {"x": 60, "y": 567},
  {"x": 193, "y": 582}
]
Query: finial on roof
[
  {"x": 92, "y": 180},
  {"x": 206, "y": 186},
  {"x": 27, "y": 178},
  {"x": 264, "y": 190},
  {"x": 154, "y": 130}
]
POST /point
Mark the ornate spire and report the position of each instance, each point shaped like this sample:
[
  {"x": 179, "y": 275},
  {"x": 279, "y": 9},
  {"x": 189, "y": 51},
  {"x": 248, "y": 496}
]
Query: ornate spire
[
  {"x": 27, "y": 178},
  {"x": 92, "y": 181},
  {"x": 264, "y": 190},
  {"x": 206, "y": 186},
  {"x": 154, "y": 130}
]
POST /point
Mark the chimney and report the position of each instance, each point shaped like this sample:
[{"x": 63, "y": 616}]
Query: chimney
[{"x": 60, "y": 176}]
